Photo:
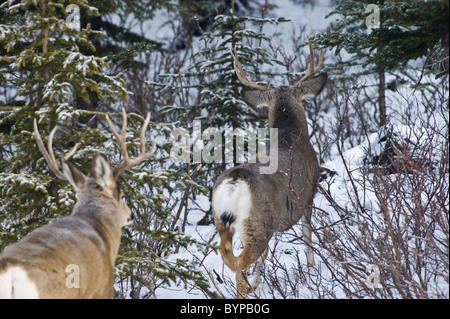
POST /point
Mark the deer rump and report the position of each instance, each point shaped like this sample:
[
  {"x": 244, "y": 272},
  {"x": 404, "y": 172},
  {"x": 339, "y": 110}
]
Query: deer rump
[
  {"x": 241, "y": 190},
  {"x": 232, "y": 202}
]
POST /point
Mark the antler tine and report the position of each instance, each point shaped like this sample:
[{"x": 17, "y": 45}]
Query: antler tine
[
  {"x": 241, "y": 74},
  {"x": 312, "y": 70},
  {"x": 127, "y": 162},
  {"x": 143, "y": 130},
  {"x": 121, "y": 140},
  {"x": 48, "y": 153}
]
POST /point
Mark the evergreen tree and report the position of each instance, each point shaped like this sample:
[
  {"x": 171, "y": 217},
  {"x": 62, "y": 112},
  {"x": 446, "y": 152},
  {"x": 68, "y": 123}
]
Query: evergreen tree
[
  {"x": 213, "y": 68},
  {"x": 212, "y": 74},
  {"x": 41, "y": 59},
  {"x": 409, "y": 29}
]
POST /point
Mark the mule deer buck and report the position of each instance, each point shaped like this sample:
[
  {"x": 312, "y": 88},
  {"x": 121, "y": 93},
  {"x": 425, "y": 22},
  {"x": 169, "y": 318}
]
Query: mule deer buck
[
  {"x": 74, "y": 256},
  {"x": 258, "y": 205}
]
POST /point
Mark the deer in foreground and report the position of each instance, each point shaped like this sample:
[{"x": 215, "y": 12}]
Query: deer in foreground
[
  {"x": 258, "y": 205},
  {"x": 74, "y": 256}
]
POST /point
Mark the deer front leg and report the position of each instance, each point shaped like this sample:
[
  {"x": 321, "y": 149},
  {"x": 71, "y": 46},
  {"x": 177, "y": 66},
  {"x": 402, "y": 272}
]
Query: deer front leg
[
  {"x": 307, "y": 234},
  {"x": 259, "y": 269}
]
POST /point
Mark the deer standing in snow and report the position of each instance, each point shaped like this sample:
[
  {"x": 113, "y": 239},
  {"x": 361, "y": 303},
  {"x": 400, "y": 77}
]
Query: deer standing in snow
[
  {"x": 258, "y": 205},
  {"x": 74, "y": 256}
]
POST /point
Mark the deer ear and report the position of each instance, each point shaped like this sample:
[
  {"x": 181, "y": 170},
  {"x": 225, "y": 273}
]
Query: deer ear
[
  {"x": 73, "y": 175},
  {"x": 101, "y": 171},
  {"x": 257, "y": 98},
  {"x": 311, "y": 88}
]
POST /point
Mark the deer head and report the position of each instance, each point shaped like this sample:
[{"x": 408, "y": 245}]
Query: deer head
[
  {"x": 284, "y": 102},
  {"x": 101, "y": 172}
]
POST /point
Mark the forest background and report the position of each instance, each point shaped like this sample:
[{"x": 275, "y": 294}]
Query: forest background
[{"x": 380, "y": 129}]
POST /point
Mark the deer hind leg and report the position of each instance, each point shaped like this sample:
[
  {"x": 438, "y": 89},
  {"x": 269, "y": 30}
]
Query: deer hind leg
[
  {"x": 226, "y": 246},
  {"x": 259, "y": 269},
  {"x": 253, "y": 249},
  {"x": 307, "y": 234}
]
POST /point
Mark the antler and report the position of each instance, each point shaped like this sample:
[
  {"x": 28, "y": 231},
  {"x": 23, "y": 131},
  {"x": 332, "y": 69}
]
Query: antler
[
  {"x": 312, "y": 69},
  {"x": 127, "y": 162},
  {"x": 242, "y": 76},
  {"x": 48, "y": 154}
]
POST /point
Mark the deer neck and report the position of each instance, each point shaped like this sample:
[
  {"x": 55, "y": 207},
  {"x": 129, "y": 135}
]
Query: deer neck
[
  {"x": 95, "y": 210},
  {"x": 296, "y": 155},
  {"x": 288, "y": 116}
]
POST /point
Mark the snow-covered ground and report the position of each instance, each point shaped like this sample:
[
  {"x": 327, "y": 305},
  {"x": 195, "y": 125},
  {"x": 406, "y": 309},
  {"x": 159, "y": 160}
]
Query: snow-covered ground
[{"x": 286, "y": 264}]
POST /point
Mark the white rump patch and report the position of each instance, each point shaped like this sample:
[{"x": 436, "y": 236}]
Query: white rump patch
[
  {"x": 233, "y": 197},
  {"x": 15, "y": 284}
]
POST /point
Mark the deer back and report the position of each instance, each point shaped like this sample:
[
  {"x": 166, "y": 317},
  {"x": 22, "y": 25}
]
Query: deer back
[{"x": 286, "y": 194}]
